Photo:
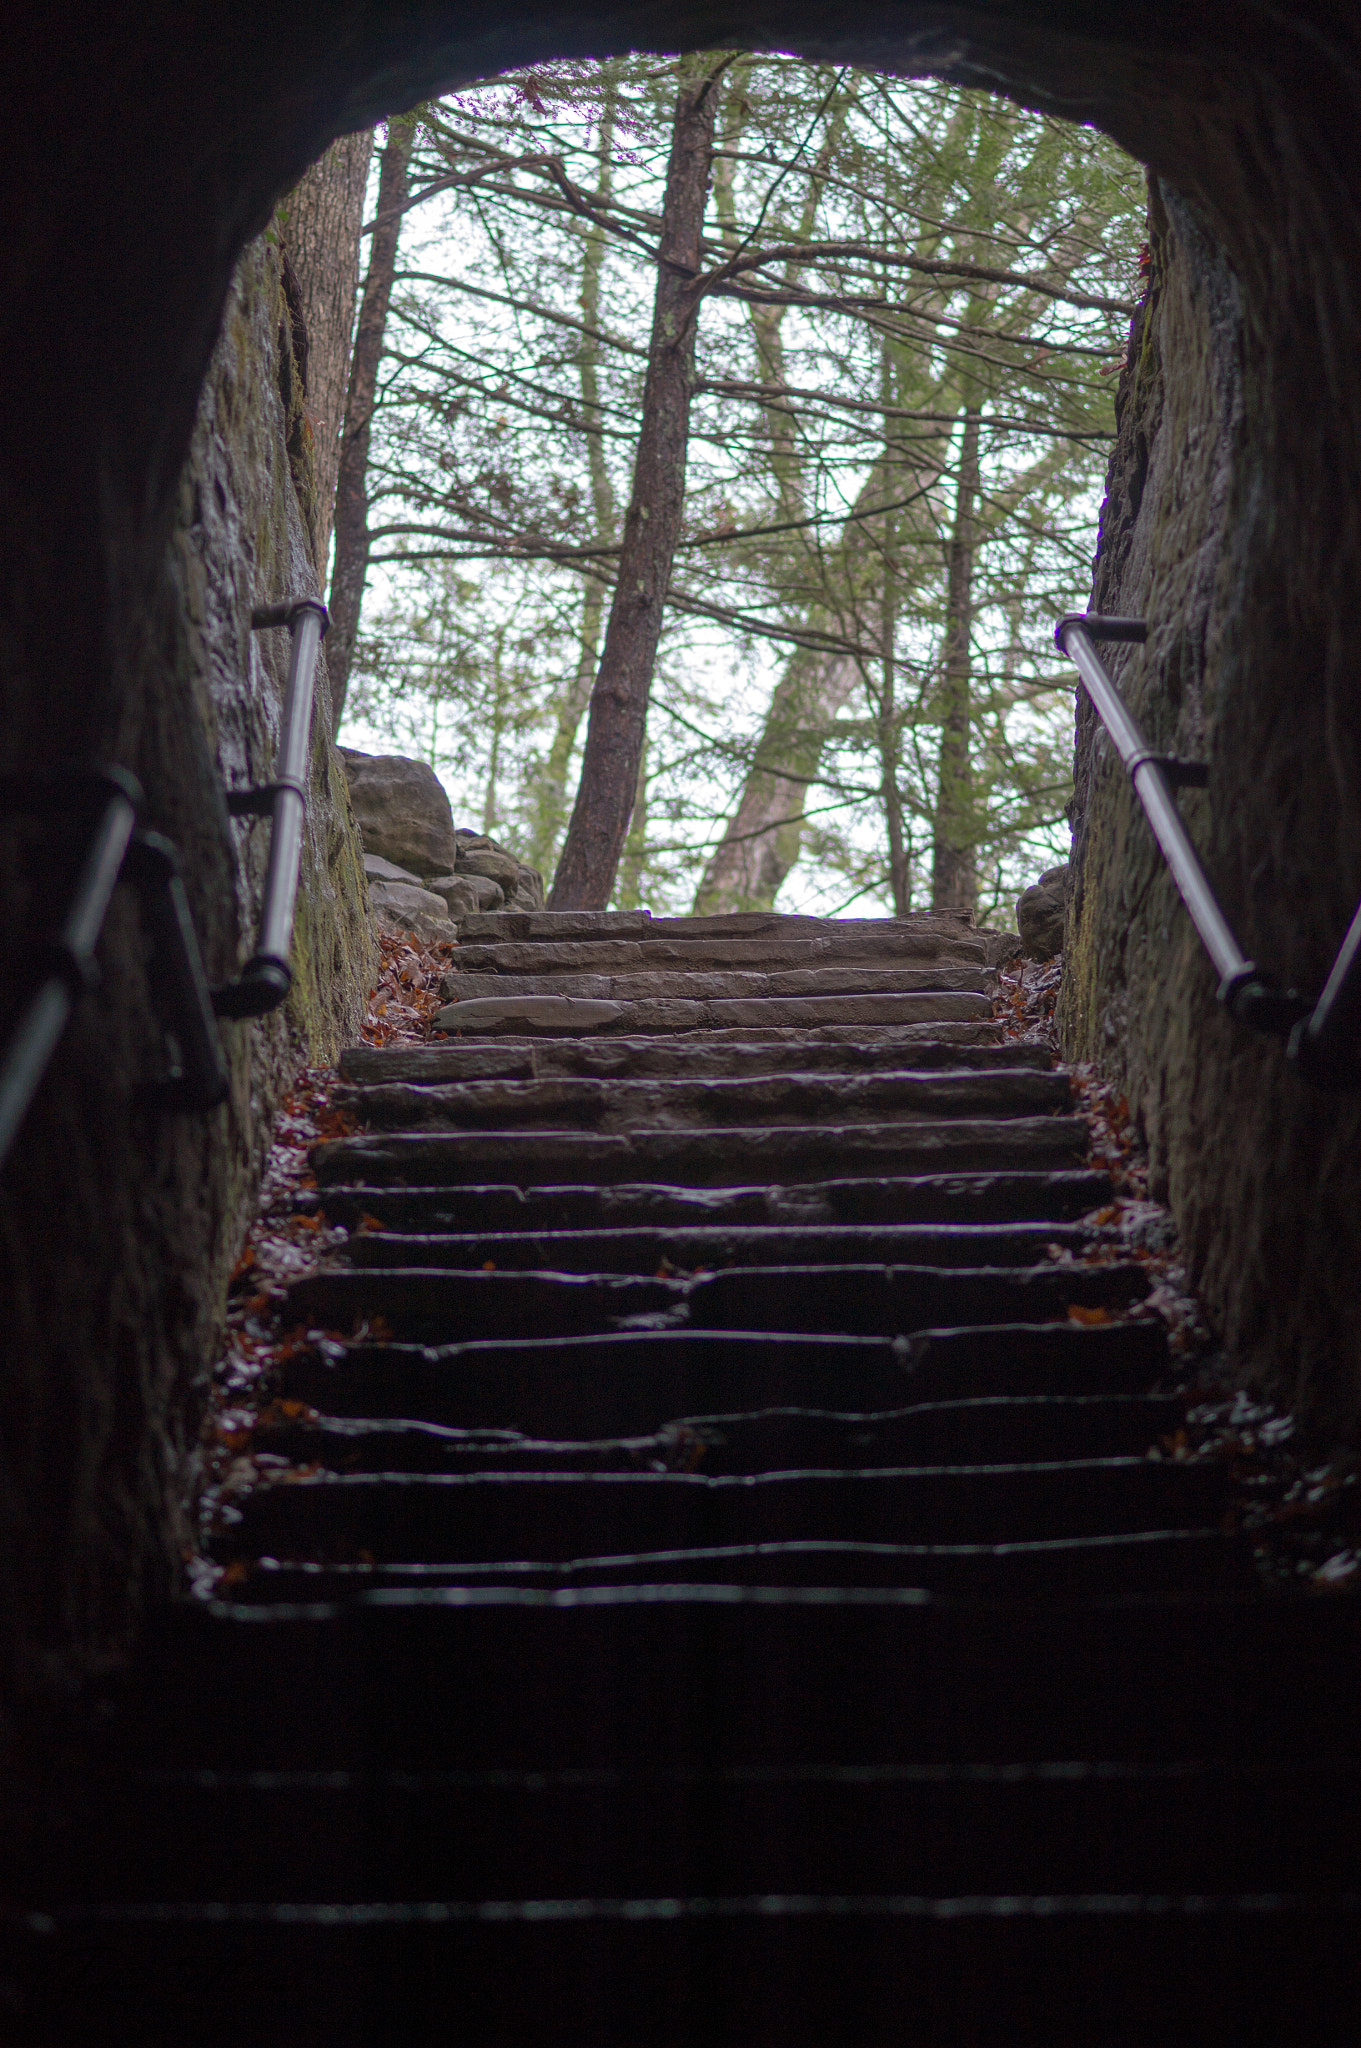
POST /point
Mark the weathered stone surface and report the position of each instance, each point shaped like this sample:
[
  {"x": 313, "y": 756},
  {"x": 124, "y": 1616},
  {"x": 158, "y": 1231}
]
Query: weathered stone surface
[
  {"x": 606, "y": 955},
  {"x": 1002, "y": 947},
  {"x": 479, "y": 856},
  {"x": 706, "y": 988},
  {"x": 705, "y": 1157},
  {"x": 119, "y": 1226},
  {"x": 1040, "y": 913},
  {"x": 920, "y": 1198},
  {"x": 520, "y": 886},
  {"x": 528, "y": 1013},
  {"x": 754, "y": 1013},
  {"x": 397, "y": 898},
  {"x": 1247, "y": 666},
  {"x": 402, "y": 811},
  {"x": 667, "y": 1104},
  {"x": 467, "y": 895},
  {"x": 379, "y": 870},
  {"x": 702, "y": 1058},
  {"x": 413, "y": 909},
  {"x": 925, "y": 936}
]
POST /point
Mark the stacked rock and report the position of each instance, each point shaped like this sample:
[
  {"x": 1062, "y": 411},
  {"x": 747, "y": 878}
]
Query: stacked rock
[{"x": 424, "y": 876}]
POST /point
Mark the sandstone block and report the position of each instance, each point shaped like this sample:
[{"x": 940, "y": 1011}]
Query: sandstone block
[
  {"x": 527, "y": 1013},
  {"x": 379, "y": 870},
  {"x": 402, "y": 811},
  {"x": 412, "y": 909},
  {"x": 467, "y": 895},
  {"x": 1041, "y": 911}
]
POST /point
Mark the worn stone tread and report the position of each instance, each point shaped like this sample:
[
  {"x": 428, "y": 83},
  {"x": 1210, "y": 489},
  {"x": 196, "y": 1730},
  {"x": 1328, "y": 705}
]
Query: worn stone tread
[
  {"x": 670, "y": 1059},
  {"x": 869, "y": 1300},
  {"x": 624, "y": 1104},
  {"x": 801, "y": 1152},
  {"x": 644, "y": 1249},
  {"x": 1123, "y": 1562},
  {"x": 506, "y": 1685},
  {"x": 631, "y": 1383},
  {"x": 556, "y": 1012},
  {"x": 488, "y": 1516},
  {"x": 686, "y": 986},
  {"x": 1021, "y": 1197},
  {"x": 978, "y": 1429},
  {"x": 678, "y": 952},
  {"x": 496, "y": 927}
]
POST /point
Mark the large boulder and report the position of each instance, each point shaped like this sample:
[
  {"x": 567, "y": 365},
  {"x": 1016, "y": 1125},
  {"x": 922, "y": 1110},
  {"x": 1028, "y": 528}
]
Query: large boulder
[
  {"x": 402, "y": 811},
  {"x": 1041, "y": 912}
]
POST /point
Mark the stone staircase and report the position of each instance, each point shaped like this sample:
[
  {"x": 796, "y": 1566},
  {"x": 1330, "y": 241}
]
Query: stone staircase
[{"x": 718, "y": 1592}]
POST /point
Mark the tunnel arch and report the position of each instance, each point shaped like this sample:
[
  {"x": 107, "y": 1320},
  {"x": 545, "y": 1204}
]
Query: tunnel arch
[{"x": 146, "y": 145}]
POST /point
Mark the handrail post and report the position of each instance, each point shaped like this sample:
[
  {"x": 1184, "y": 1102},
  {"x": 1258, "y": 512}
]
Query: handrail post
[
  {"x": 267, "y": 976},
  {"x": 1242, "y": 989}
]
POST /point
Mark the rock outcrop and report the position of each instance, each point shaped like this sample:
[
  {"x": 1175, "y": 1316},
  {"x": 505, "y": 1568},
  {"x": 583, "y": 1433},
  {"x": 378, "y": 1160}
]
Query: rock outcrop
[
  {"x": 402, "y": 811},
  {"x": 1041, "y": 911},
  {"x": 408, "y": 831}
]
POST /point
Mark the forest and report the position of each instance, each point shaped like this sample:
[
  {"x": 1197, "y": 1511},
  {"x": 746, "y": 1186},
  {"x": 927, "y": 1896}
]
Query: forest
[{"x": 721, "y": 437}]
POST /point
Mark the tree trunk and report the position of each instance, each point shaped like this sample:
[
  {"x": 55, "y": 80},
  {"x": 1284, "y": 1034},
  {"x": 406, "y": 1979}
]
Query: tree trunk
[
  {"x": 571, "y": 707},
  {"x": 618, "y": 717},
  {"x": 899, "y": 870},
  {"x": 351, "y": 501},
  {"x": 630, "y": 891},
  {"x": 954, "y": 881},
  {"x": 761, "y": 841},
  {"x": 322, "y": 218}
]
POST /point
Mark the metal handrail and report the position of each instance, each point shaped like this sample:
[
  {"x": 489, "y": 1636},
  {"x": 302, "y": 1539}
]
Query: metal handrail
[
  {"x": 267, "y": 976},
  {"x": 1322, "y": 1036},
  {"x": 198, "y": 1077}
]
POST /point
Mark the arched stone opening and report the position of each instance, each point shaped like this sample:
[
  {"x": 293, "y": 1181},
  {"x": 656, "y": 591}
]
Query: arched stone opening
[{"x": 147, "y": 145}]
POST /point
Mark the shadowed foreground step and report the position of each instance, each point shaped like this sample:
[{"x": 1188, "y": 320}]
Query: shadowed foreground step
[
  {"x": 866, "y": 1300},
  {"x": 557, "y": 1514},
  {"x": 723, "y": 1583},
  {"x": 625, "y": 1382},
  {"x": 1128, "y": 1562}
]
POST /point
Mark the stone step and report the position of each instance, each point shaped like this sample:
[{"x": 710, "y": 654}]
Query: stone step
[
  {"x": 1142, "y": 1561},
  {"x": 499, "y": 927},
  {"x": 680, "y": 951},
  {"x": 493, "y": 1515},
  {"x": 632, "y": 1383},
  {"x": 706, "y": 1158},
  {"x": 829, "y": 1829},
  {"x": 689, "y": 985},
  {"x": 556, "y": 1014},
  {"x": 649, "y": 1250},
  {"x": 925, "y": 1198},
  {"x": 765, "y": 1970},
  {"x": 624, "y": 1678},
  {"x": 852, "y": 1300},
  {"x": 777, "y": 1099},
  {"x": 702, "y": 1058},
  {"x": 987, "y": 1429}
]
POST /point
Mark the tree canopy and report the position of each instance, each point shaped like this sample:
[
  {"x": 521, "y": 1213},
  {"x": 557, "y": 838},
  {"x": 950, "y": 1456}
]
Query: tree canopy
[{"x": 907, "y": 302}]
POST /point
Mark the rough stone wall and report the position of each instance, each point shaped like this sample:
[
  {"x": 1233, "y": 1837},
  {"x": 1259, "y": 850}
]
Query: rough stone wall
[
  {"x": 176, "y": 130},
  {"x": 119, "y": 1225},
  {"x": 1262, "y": 1170}
]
